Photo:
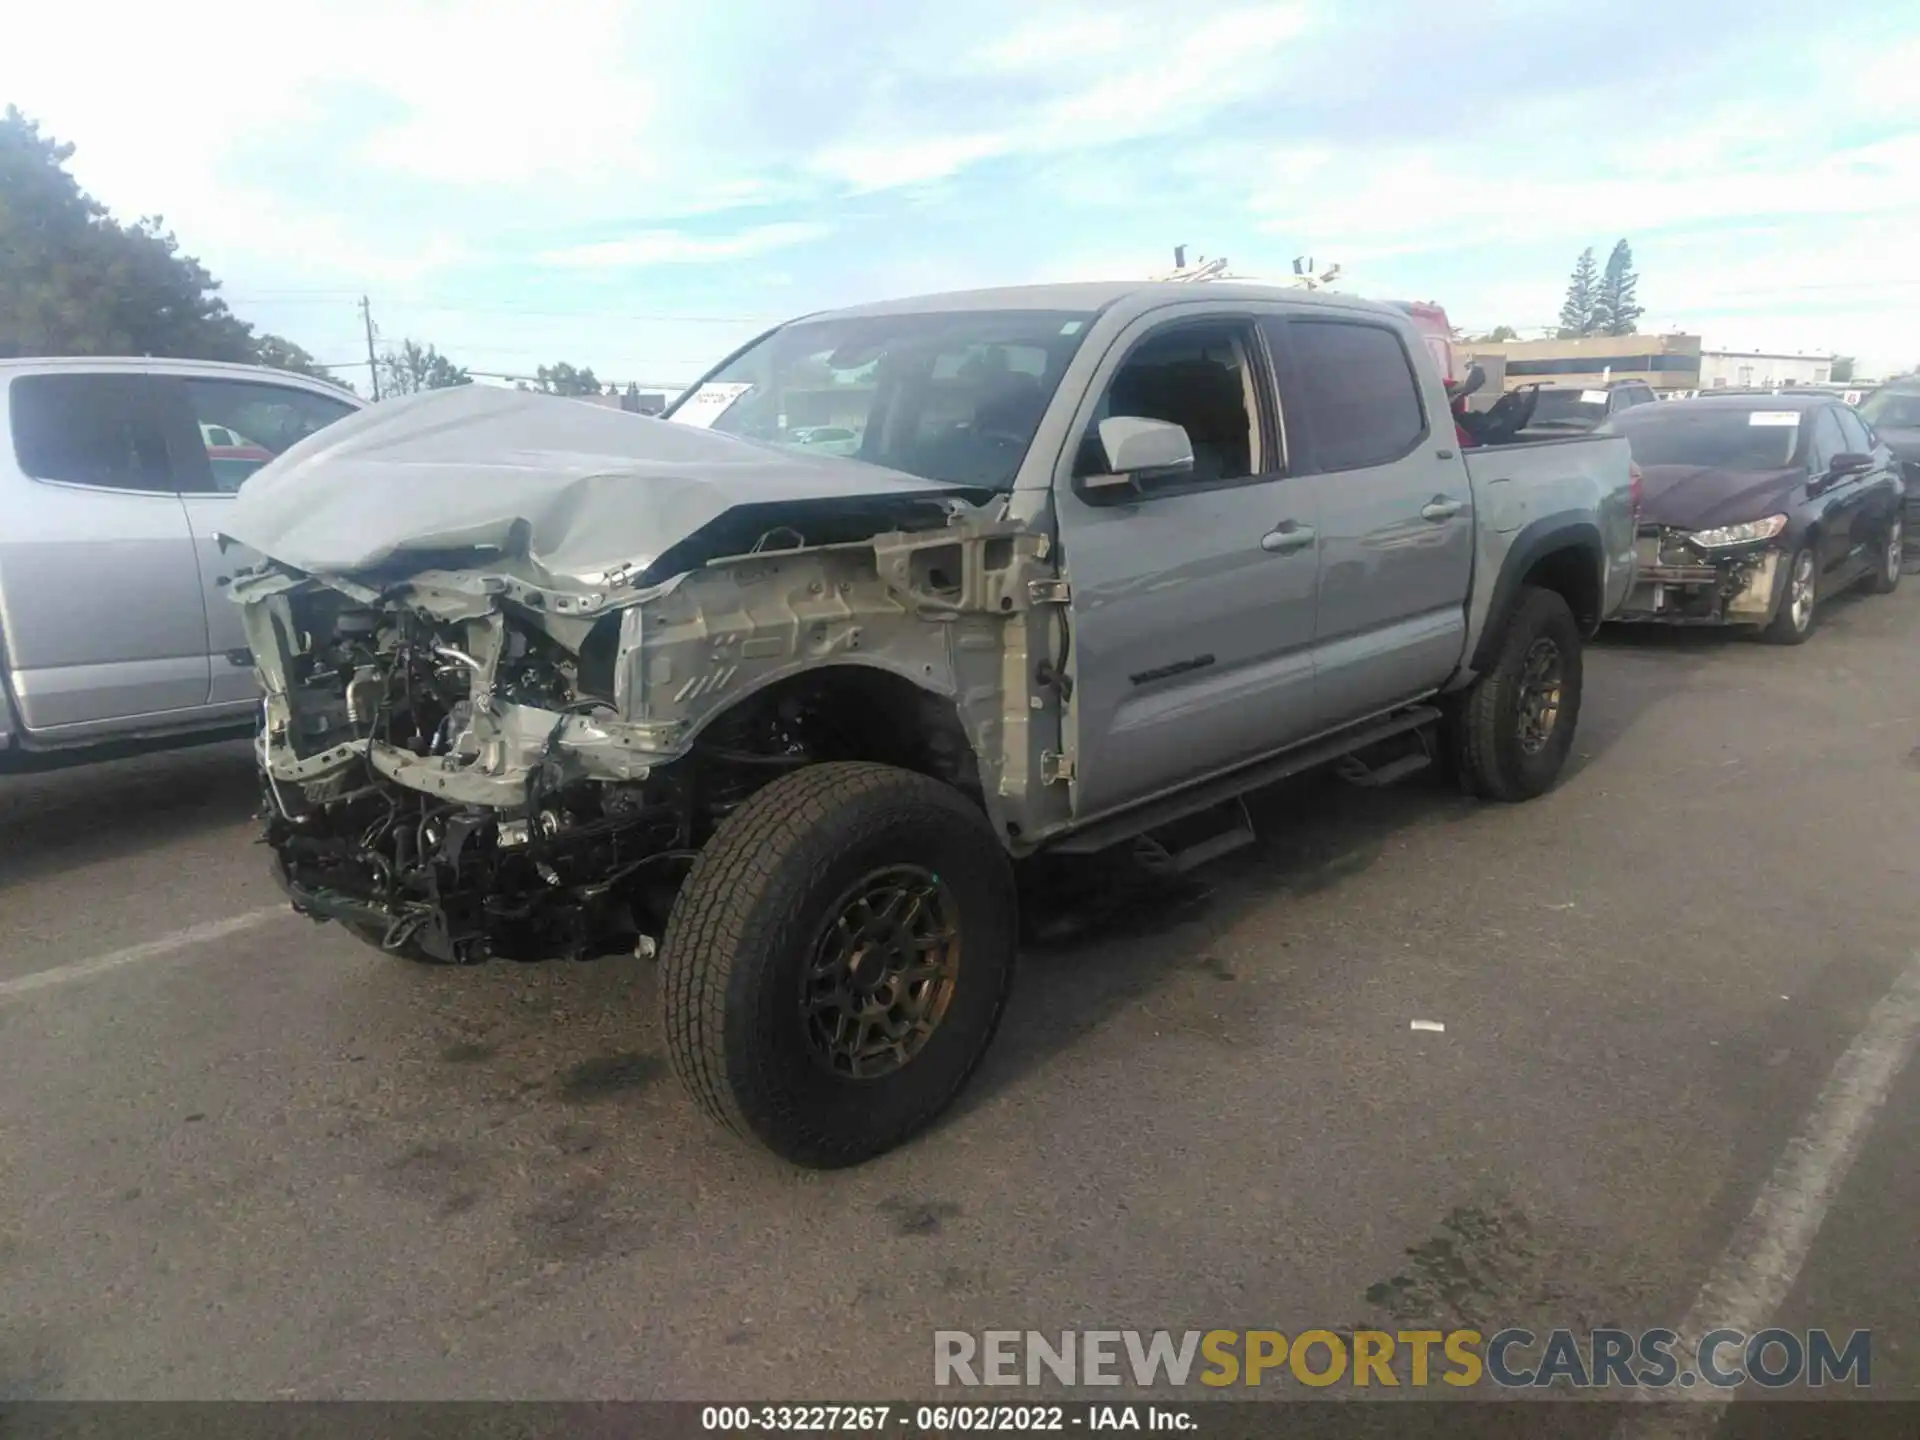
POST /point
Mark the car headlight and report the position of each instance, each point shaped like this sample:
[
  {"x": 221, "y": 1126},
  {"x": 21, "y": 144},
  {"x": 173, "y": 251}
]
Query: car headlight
[{"x": 1743, "y": 534}]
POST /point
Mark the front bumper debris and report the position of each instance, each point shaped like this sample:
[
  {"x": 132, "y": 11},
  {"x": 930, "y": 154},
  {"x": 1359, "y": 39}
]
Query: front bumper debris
[{"x": 1679, "y": 584}]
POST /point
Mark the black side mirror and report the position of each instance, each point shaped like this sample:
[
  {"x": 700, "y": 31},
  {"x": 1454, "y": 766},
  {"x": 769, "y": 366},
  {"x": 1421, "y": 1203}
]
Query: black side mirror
[{"x": 1849, "y": 462}]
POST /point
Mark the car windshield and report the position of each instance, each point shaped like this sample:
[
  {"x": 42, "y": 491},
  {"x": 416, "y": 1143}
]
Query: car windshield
[
  {"x": 1722, "y": 436},
  {"x": 951, "y": 396},
  {"x": 1892, "y": 410},
  {"x": 1570, "y": 407}
]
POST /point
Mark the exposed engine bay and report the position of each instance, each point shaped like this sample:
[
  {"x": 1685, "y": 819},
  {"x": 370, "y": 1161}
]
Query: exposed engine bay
[{"x": 460, "y": 764}]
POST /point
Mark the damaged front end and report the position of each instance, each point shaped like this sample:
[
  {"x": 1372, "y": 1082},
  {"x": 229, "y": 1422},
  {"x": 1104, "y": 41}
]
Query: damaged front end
[
  {"x": 449, "y": 785},
  {"x": 461, "y": 764},
  {"x": 1681, "y": 582},
  {"x": 521, "y": 657}
]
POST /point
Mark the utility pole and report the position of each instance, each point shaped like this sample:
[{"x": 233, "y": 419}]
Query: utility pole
[{"x": 373, "y": 365}]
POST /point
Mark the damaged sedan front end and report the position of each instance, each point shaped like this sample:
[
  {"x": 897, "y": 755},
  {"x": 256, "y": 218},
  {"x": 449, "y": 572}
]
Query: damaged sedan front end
[
  {"x": 511, "y": 736},
  {"x": 1729, "y": 575}
]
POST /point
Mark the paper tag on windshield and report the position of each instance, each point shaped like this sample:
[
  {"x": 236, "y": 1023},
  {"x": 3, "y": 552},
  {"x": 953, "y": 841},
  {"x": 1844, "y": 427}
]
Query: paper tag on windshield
[
  {"x": 708, "y": 403},
  {"x": 1593, "y": 397},
  {"x": 1774, "y": 417}
]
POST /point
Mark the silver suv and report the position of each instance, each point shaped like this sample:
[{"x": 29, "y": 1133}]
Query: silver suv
[{"x": 115, "y": 478}]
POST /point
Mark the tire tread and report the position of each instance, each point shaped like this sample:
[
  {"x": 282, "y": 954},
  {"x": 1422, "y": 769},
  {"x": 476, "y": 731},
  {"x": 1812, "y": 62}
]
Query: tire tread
[
  {"x": 749, "y": 861},
  {"x": 1481, "y": 737}
]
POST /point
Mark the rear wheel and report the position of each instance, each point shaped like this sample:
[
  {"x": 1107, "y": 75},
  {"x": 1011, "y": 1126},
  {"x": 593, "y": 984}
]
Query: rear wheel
[
  {"x": 1799, "y": 610},
  {"x": 1886, "y": 574},
  {"x": 1514, "y": 727},
  {"x": 837, "y": 962}
]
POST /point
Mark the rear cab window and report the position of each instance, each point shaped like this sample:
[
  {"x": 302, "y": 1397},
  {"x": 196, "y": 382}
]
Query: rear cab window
[{"x": 96, "y": 430}]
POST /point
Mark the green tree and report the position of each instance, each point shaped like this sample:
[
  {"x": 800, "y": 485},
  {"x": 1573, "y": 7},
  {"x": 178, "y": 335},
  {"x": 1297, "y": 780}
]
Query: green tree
[
  {"x": 75, "y": 281},
  {"x": 1576, "y": 312},
  {"x": 283, "y": 354},
  {"x": 410, "y": 367},
  {"x": 1614, "y": 309},
  {"x": 1842, "y": 369},
  {"x": 563, "y": 379},
  {"x": 1495, "y": 335}
]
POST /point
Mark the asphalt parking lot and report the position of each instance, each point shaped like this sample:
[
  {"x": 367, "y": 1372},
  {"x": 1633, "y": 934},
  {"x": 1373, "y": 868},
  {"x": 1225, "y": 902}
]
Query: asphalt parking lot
[{"x": 242, "y": 1156}]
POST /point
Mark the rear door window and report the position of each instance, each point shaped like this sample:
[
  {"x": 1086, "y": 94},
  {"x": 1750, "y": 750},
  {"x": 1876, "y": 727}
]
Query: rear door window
[
  {"x": 97, "y": 430},
  {"x": 240, "y": 425},
  {"x": 1358, "y": 393}
]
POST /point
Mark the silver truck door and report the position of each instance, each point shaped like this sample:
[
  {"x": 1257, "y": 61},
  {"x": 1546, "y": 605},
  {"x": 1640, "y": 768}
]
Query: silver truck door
[
  {"x": 220, "y": 431},
  {"x": 99, "y": 595},
  {"x": 1396, "y": 514},
  {"x": 1191, "y": 603}
]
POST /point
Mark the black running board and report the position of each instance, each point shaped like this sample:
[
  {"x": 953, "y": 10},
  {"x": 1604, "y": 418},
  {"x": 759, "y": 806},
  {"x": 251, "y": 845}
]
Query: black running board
[{"x": 1113, "y": 828}]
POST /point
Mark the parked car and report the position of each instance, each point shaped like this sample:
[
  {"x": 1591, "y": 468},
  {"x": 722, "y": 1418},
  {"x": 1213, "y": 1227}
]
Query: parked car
[
  {"x": 1572, "y": 409},
  {"x": 1892, "y": 413},
  {"x": 230, "y": 455},
  {"x": 1756, "y": 507},
  {"x": 547, "y": 681},
  {"x": 829, "y": 439},
  {"x": 115, "y": 477}
]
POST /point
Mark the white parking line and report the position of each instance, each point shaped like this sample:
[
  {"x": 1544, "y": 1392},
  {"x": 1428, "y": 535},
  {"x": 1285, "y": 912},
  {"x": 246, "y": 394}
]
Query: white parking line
[
  {"x": 154, "y": 949},
  {"x": 1759, "y": 1266}
]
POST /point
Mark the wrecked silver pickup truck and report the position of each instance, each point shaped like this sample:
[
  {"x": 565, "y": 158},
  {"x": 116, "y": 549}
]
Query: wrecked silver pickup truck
[{"x": 546, "y": 680}]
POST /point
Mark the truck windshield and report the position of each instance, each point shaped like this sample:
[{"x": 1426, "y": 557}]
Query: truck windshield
[
  {"x": 1722, "y": 437},
  {"x": 1892, "y": 410},
  {"x": 951, "y": 396}
]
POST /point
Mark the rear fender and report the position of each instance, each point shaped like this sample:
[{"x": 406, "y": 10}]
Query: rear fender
[{"x": 1569, "y": 545}]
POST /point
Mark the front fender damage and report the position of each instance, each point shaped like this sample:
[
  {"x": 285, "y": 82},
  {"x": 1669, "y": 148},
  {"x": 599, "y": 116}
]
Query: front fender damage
[{"x": 490, "y": 765}]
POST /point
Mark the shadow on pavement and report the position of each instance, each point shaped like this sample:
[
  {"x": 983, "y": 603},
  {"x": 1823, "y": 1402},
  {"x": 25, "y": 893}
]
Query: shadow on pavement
[
  {"x": 59, "y": 819},
  {"x": 1085, "y": 917}
]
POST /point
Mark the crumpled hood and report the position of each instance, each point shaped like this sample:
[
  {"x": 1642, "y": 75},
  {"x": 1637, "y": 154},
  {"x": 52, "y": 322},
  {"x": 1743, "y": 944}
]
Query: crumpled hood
[
  {"x": 1699, "y": 497},
  {"x": 576, "y": 489}
]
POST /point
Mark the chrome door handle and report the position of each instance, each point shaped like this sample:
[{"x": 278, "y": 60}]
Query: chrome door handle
[
  {"x": 1287, "y": 537},
  {"x": 1440, "y": 508}
]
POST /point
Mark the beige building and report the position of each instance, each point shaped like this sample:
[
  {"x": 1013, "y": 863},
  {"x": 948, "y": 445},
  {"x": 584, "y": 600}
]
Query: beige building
[
  {"x": 1666, "y": 362},
  {"x": 1723, "y": 369}
]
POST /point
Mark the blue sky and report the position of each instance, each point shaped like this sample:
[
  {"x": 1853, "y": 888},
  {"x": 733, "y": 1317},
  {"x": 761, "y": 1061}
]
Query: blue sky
[{"x": 638, "y": 188}]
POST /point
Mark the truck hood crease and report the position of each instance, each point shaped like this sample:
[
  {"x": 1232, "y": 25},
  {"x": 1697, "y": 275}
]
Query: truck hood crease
[{"x": 478, "y": 477}]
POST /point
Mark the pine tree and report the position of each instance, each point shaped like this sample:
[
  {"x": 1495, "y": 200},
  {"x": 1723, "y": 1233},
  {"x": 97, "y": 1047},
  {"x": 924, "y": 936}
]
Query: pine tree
[
  {"x": 1614, "y": 309},
  {"x": 1576, "y": 315}
]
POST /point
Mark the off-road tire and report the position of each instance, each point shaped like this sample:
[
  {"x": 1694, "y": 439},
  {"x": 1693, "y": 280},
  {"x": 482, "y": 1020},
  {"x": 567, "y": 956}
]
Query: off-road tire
[
  {"x": 1885, "y": 578},
  {"x": 1781, "y": 630},
  {"x": 743, "y": 930},
  {"x": 1488, "y": 758}
]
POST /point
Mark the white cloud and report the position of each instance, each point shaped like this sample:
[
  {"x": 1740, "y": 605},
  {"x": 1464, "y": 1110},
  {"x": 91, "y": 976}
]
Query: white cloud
[
  {"x": 1182, "y": 71},
  {"x": 386, "y": 143},
  {"x": 673, "y": 247}
]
